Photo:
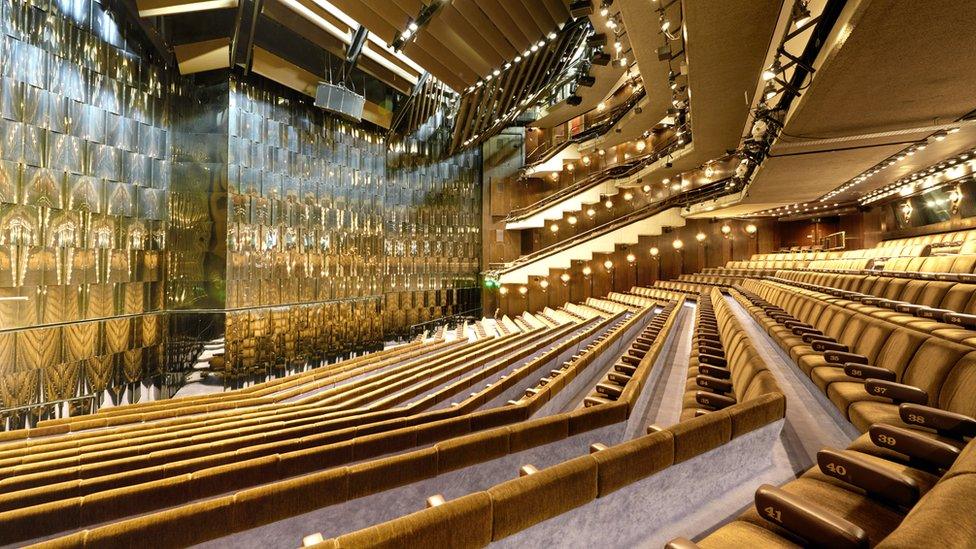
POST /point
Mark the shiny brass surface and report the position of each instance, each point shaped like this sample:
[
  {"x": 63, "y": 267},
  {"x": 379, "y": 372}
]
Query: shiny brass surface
[{"x": 143, "y": 215}]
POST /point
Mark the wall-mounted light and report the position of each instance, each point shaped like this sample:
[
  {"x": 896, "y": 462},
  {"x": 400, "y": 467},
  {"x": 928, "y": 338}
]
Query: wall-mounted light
[
  {"x": 572, "y": 220},
  {"x": 631, "y": 258},
  {"x": 608, "y": 265},
  {"x": 544, "y": 284},
  {"x": 640, "y": 146},
  {"x": 677, "y": 244},
  {"x": 654, "y": 252},
  {"x": 587, "y": 271},
  {"x": 646, "y": 188},
  {"x": 955, "y": 198},
  {"x": 523, "y": 290},
  {"x": 554, "y": 228},
  {"x": 554, "y": 176},
  {"x": 586, "y": 160},
  {"x": 628, "y": 196},
  {"x": 726, "y": 231},
  {"x": 570, "y": 167},
  {"x": 906, "y": 211},
  {"x": 709, "y": 171},
  {"x": 751, "y": 230},
  {"x": 590, "y": 212},
  {"x": 564, "y": 278},
  {"x": 608, "y": 203},
  {"x": 700, "y": 237},
  {"x": 503, "y": 290}
]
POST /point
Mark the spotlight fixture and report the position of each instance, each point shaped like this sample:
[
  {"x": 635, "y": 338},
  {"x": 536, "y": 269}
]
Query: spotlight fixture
[
  {"x": 586, "y": 80},
  {"x": 583, "y": 8},
  {"x": 801, "y": 13},
  {"x": 596, "y": 40},
  {"x": 772, "y": 71},
  {"x": 574, "y": 100},
  {"x": 600, "y": 58}
]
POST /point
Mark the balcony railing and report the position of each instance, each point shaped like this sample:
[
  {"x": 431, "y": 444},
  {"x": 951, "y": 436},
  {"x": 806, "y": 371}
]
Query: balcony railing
[
  {"x": 705, "y": 192},
  {"x": 623, "y": 169}
]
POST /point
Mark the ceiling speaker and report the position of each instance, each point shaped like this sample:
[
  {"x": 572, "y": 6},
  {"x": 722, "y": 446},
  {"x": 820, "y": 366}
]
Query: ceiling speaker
[
  {"x": 601, "y": 59},
  {"x": 574, "y": 100},
  {"x": 340, "y": 100},
  {"x": 587, "y": 80}
]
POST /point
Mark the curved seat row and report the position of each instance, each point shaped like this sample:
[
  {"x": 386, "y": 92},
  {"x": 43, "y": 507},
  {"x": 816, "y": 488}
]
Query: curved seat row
[
  {"x": 865, "y": 365},
  {"x": 956, "y": 238},
  {"x": 853, "y": 499},
  {"x": 724, "y": 367}
]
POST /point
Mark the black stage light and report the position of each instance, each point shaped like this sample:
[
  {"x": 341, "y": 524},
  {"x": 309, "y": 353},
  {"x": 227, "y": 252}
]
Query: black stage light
[
  {"x": 574, "y": 100},
  {"x": 597, "y": 40},
  {"x": 586, "y": 80},
  {"x": 601, "y": 58},
  {"x": 583, "y": 8}
]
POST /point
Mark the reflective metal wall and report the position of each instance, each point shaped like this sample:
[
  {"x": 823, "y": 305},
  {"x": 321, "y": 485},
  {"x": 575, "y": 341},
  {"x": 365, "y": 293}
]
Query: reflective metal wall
[
  {"x": 84, "y": 173},
  {"x": 142, "y": 215},
  {"x": 336, "y": 240}
]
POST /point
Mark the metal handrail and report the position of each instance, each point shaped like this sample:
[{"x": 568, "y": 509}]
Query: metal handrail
[
  {"x": 705, "y": 192},
  {"x": 598, "y": 128},
  {"x": 617, "y": 171}
]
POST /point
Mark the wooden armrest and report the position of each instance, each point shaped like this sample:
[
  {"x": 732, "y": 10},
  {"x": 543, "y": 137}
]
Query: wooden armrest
[
  {"x": 823, "y": 346},
  {"x": 898, "y": 392},
  {"x": 842, "y": 357},
  {"x": 887, "y": 484},
  {"x": 714, "y": 383},
  {"x": 713, "y": 360},
  {"x": 931, "y": 454},
  {"x": 713, "y": 400},
  {"x": 863, "y": 371},
  {"x": 715, "y": 371},
  {"x": 948, "y": 424},
  {"x": 816, "y": 526}
]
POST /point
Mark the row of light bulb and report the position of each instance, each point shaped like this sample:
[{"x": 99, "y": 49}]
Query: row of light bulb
[
  {"x": 888, "y": 162},
  {"x": 654, "y": 252},
  {"x": 947, "y": 170},
  {"x": 518, "y": 59},
  {"x": 797, "y": 208}
]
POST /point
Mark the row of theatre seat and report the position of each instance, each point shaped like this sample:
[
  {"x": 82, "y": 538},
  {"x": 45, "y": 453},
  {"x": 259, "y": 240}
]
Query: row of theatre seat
[
  {"x": 478, "y": 519},
  {"x": 867, "y": 366},
  {"x": 57, "y": 483},
  {"x": 938, "y": 241},
  {"x": 615, "y": 382},
  {"x": 724, "y": 367},
  {"x": 908, "y": 481},
  {"x": 61, "y": 477}
]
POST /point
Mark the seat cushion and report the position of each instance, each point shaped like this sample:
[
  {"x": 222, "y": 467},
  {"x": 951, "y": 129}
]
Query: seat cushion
[
  {"x": 825, "y": 375},
  {"x": 876, "y": 519},
  {"x": 923, "y": 479},
  {"x": 864, "y": 414},
  {"x": 844, "y": 394},
  {"x": 808, "y": 362},
  {"x": 801, "y": 350}
]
